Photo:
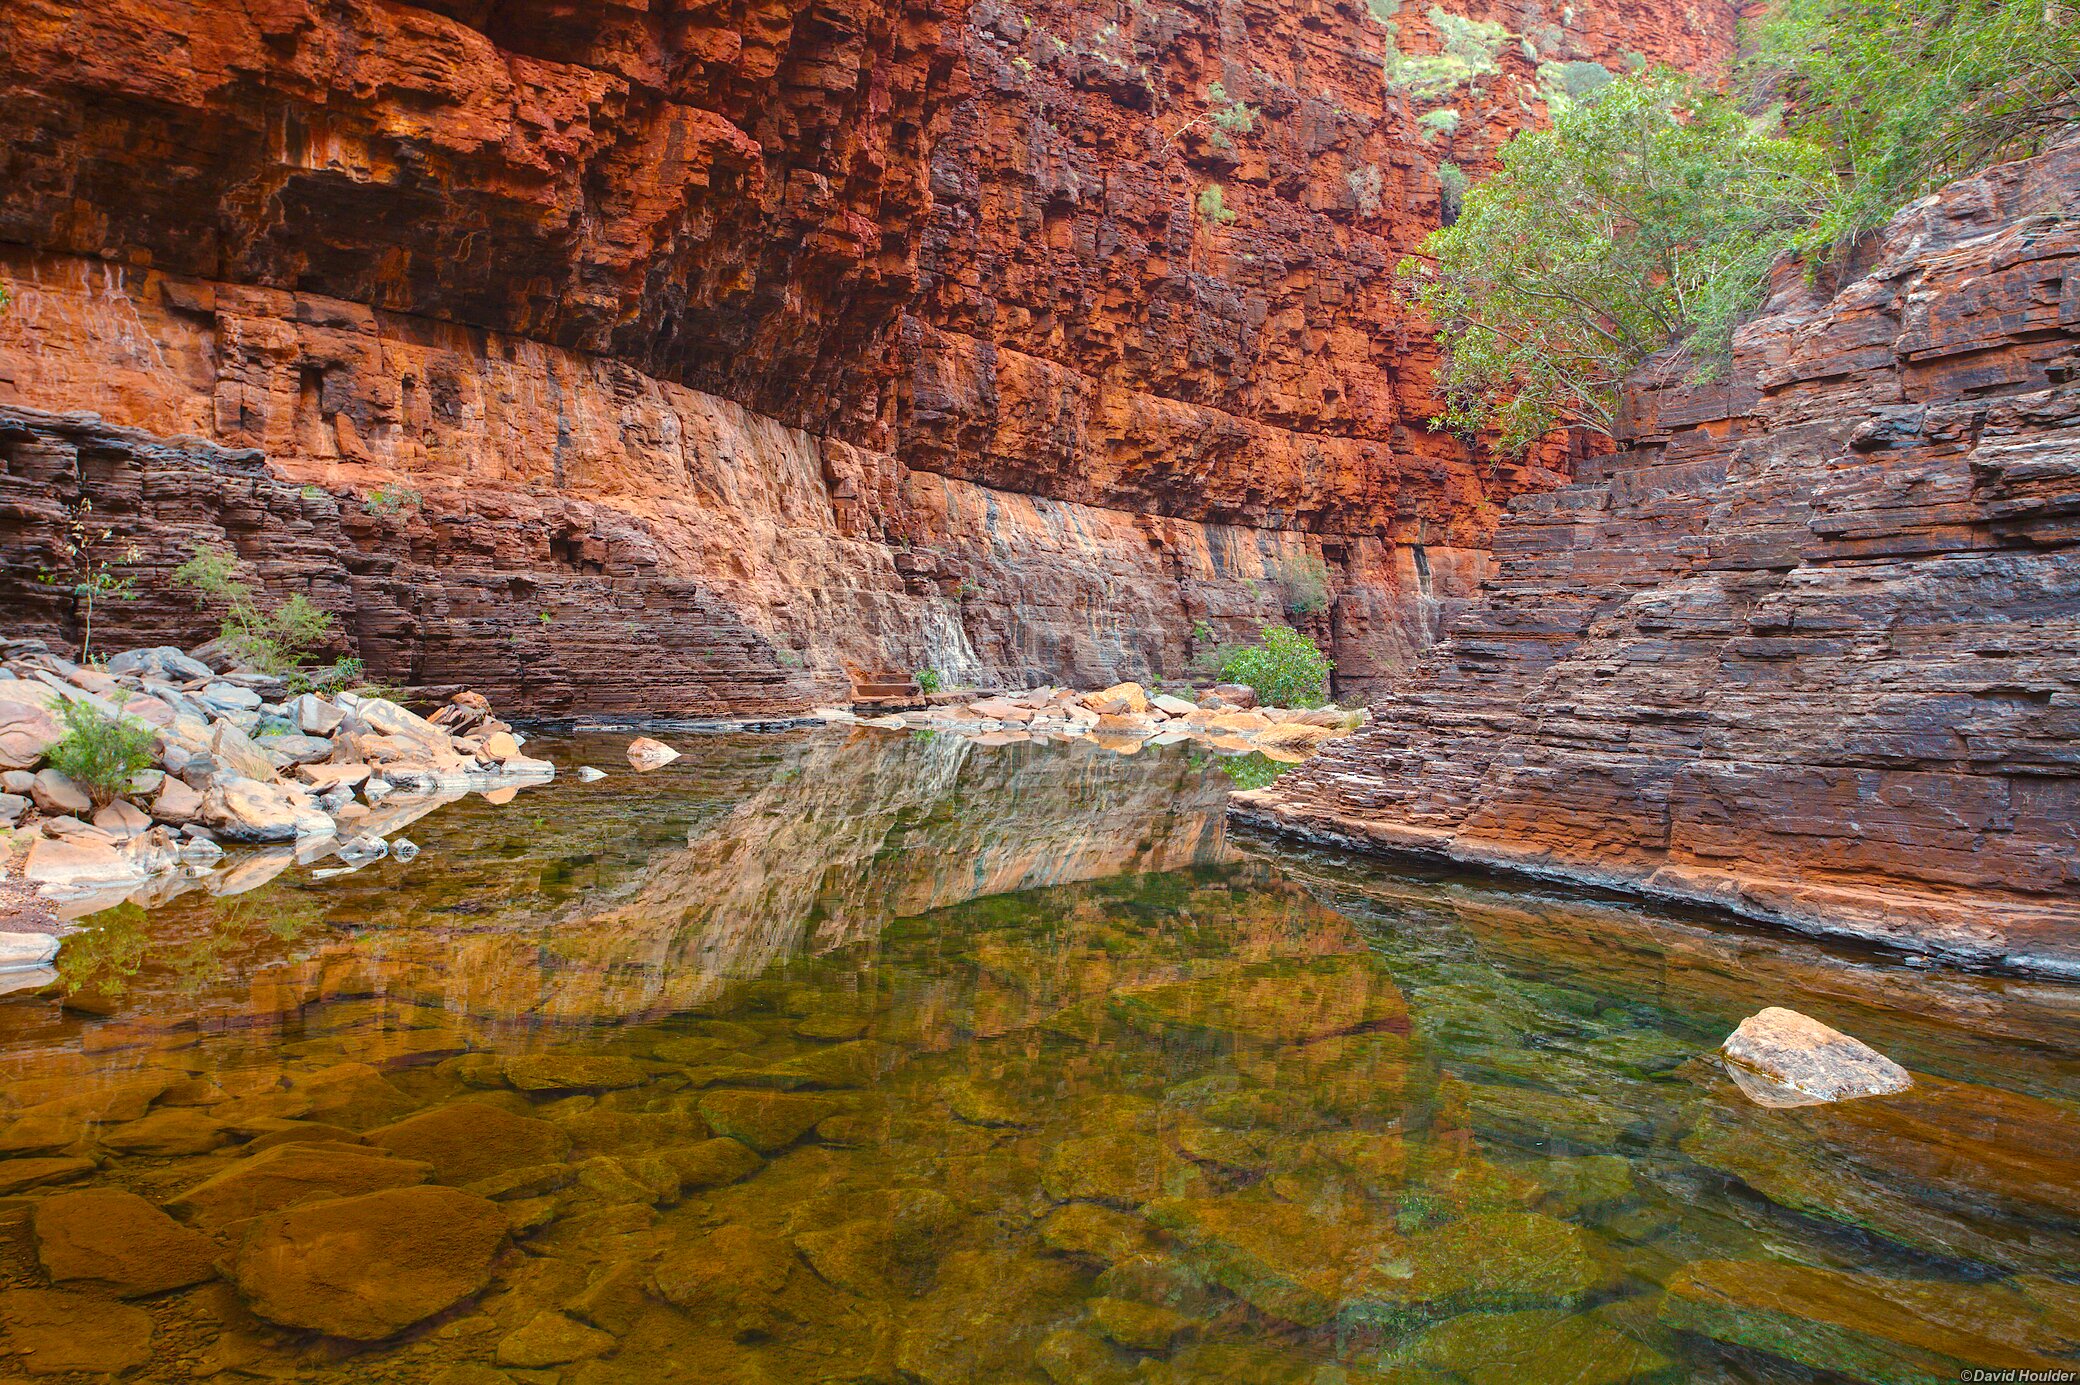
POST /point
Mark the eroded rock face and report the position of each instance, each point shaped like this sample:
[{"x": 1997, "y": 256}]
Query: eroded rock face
[
  {"x": 672, "y": 360},
  {"x": 1807, "y": 647}
]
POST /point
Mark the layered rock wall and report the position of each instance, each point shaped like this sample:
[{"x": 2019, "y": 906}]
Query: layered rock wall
[
  {"x": 1809, "y": 647},
  {"x": 684, "y": 357}
]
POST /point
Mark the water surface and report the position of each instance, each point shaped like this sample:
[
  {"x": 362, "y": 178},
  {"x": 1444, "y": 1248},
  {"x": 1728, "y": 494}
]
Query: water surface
[{"x": 845, "y": 1057}]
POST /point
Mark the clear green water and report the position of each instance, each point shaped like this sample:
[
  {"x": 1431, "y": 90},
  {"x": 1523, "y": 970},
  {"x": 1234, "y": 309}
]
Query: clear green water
[{"x": 1026, "y": 1071}]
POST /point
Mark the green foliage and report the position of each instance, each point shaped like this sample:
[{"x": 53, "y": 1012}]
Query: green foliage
[
  {"x": 1451, "y": 192},
  {"x": 1471, "y": 50},
  {"x": 927, "y": 679},
  {"x": 1284, "y": 669},
  {"x": 100, "y": 753},
  {"x": 1647, "y": 213},
  {"x": 1251, "y": 771},
  {"x": 105, "y": 953},
  {"x": 1910, "y": 94},
  {"x": 1650, "y": 213},
  {"x": 1229, "y": 118},
  {"x": 277, "y": 640},
  {"x": 1571, "y": 81},
  {"x": 1305, "y": 581},
  {"x": 384, "y": 501},
  {"x": 1442, "y": 121},
  {"x": 1213, "y": 206},
  {"x": 90, "y": 571}
]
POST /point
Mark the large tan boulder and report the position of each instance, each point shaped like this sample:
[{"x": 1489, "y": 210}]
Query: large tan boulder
[
  {"x": 366, "y": 1267},
  {"x": 1801, "y": 1061},
  {"x": 1172, "y": 706},
  {"x": 1119, "y": 699},
  {"x": 245, "y": 810},
  {"x": 29, "y": 725},
  {"x": 647, "y": 754},
  {"x": 237, "y": 751},
  {"x": 176, "y": 802},
  {"x": 74, "y": 862},
  {"x": 1294, "y": 735}
]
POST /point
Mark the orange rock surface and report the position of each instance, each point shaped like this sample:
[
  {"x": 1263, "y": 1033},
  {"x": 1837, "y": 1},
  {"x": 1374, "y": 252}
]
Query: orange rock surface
[{"x": 678, "y": 357}]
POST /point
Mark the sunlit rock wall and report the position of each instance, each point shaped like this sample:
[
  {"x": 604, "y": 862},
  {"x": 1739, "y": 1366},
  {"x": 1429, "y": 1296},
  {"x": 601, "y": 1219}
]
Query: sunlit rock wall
[
  {"x": 1808, "y": 648},
  {"x": 760, "y": 347}
]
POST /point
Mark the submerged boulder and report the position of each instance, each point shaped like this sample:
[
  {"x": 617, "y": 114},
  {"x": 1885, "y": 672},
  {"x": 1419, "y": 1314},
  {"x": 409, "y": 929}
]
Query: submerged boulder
[
  {"x": 118, "y": 1239},
  {"x": 365, "y": 1267},
  {"x": 1803, "y": 1062}
]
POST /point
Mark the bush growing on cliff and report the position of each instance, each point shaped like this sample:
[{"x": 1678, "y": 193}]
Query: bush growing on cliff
[
  {"x": 100, "y": 753},
  {"x": 279, "y": 639},
  {"x": 1646, "y": 213},
  {"x": 1284, "y": 668},
  {"x": 1650, "y": 213}
]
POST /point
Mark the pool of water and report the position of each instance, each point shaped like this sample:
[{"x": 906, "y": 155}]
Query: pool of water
[{"x": 844, "y": 1057}]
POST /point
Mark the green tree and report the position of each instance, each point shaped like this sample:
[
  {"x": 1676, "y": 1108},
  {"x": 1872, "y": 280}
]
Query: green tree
[
  {"x": 1648, "y": 214},
  {"x": 91, "y": 573},
  {"x": 1907, "y": 95},
  {"x": 1284, "y": 669}
]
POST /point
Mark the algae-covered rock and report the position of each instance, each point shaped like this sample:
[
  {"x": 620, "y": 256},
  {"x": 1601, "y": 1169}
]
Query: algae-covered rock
[
  {"x": 1086, "y": 1228},
  {"x": 470, "y": 1140},
  {"x": 866, "y": 1254},
  {"x": 1540, "y": 1346},
  {"x": 985, "y": 1317},
  {"x": 1920, "y": 1332},
  {"x": 765, "y": 1120},
  {"x": 1122, "y": 1167},
  {"x": 118, "y": 1239},
  {"x": 365, "y": 1267},
  {"x": 1136, "y": 1325},
  {"x": 289, "y": 1174},
  {"x": 574, "y": 1072},
  {"x": 1273, "y": 1255},
  {"x": 711, "y": 1163},
  {"x": 1282, "y": 1001},
  {"x": 1954, "y": 1168},
  {"x": 734, "y": 1278},
  {"x": 1072, "y": 1357},
  {"x": 551, "y": 1339},
  {"x": 1489, "y": 1259}
]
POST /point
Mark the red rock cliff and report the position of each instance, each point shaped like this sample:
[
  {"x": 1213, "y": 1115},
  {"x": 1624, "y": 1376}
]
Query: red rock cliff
[
  {"x": 1808, "y": 648},
  {"x": 683, "y": 356}
]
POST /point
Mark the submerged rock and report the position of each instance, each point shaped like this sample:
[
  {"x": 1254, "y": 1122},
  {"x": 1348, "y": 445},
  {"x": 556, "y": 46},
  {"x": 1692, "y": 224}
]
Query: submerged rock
[
  {"x": 1926, "y": 1332},
  {"x": 470, "y": 1140},
  {"x": 1539, "y": 1346},
  {"x": 56, "y": 1332},
  {"x": 293, "y": 1173},
  {"x": 365, "y": 1267},
  {"x": 1803, "y": 1062},
  {"x": 118, "y": 1239}
]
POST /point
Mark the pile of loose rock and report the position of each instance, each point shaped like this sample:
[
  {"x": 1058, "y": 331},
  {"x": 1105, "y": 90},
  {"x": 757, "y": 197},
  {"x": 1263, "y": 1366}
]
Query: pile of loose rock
[
  {"x": 237, "y": 759},
  {"x": 1125, "y": 717}
]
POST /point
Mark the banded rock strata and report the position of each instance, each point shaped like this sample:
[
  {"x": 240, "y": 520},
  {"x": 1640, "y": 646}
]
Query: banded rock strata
[
  {"x": 757, "y": 346},
  {"x": 1809, "y": 647}
]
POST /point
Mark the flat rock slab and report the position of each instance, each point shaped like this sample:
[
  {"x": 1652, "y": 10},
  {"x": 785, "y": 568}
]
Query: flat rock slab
[
  {"x": 117, "y": 1238},
  {"x": 469, "y": 1140},
  {"x": 56, "y": 1332},
  {"x": 366, "y": 1267},
  {"x": 289, "y": 1174},
  {"x": 1803, "y": 1062}
]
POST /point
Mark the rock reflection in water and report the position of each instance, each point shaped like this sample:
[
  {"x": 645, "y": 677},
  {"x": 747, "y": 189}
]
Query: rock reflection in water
[{"x": 921, "y": 1063}]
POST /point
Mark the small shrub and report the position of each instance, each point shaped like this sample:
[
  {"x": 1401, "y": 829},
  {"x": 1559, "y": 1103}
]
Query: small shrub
[
  {"x": 100, "y": 753},
  {"x": 278, "y": 641},
  {"x": 1284, "y": 669},
  {"x": 1213, "y": 206},
  {"x": 927, "y": 679},
  {"x": 384, "y": 501}
]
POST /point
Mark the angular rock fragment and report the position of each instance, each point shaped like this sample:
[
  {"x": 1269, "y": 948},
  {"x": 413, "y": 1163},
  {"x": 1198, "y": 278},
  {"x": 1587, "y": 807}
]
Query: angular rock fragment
[{"x": 1800, "y": 1061}]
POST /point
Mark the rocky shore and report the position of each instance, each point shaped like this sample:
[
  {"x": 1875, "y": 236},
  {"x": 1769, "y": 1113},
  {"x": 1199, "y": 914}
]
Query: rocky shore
[
  {"x": 1225, "y": 718},
  {"x": 237, "y": 757}
]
